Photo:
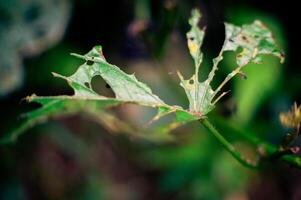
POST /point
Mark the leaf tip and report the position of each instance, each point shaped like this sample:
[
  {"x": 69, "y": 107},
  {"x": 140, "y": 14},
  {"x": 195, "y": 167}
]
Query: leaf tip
[
  {"x": 58, "y": 75},
  {"x": 195, "y": 17},
  {"x": 78, "y": 56},
  {"x": 30, "y": 98},
  {"x": 98, "y": 47}
]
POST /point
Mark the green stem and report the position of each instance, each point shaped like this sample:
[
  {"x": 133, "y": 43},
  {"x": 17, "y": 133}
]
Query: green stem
[
  {"x": 228, "y": 146},
  {"x": 269, "y": 151}
]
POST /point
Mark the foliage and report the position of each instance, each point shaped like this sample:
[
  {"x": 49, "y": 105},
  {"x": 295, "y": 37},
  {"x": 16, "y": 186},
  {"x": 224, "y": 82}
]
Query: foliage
[{"x": 249, "y": 42}]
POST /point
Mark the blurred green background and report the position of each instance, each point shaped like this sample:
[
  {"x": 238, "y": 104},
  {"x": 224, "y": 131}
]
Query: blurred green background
[{"x": 75, "y": 158}]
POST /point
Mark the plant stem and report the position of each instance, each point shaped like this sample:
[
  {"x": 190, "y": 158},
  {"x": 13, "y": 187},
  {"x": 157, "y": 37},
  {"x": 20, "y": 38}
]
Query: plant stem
[
  {"x": 270, "y": 151},
  {"x": 228, "y": 146}
]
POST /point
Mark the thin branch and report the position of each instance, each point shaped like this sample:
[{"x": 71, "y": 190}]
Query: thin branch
[
  {"x": 228, "y": 146},
  {"x": 268, "y": 151}
]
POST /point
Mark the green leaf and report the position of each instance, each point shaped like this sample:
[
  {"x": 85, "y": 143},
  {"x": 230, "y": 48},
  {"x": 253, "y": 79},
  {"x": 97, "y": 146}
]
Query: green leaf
[
  {"x": 199, "y": 94},
  {"x": 255, "y": 39},
  {"x": 195, "y": 38},
  {"x": 127, "y": 88}
]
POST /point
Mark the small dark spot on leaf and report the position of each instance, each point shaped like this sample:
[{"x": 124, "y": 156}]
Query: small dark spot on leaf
[
  {"x": 245, "y": 38},
  {"x": 90, "y": 62},
  {"x": 191, "y": 81}
]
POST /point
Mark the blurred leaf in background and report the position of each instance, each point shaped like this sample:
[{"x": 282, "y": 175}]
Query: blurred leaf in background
[
  {"x": 196, "y": 168},
  {"x": 27, "y": 28}
]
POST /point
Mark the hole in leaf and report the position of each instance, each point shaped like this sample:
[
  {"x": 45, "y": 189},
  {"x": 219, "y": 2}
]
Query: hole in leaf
[
  {"x": 90, "y": 62},
  {"x": 87, "y": 85},
  {"x": 101, "y": 87},
  {"x": 108, "y": 86}
]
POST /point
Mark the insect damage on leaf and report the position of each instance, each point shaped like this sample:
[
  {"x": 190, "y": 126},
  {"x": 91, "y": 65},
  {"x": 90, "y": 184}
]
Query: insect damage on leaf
[
  {"x": 85, "y": 100},
  {"x": 255, "y": 39},
  {"x": 126, "y": 87},
  {"x": 199, "y": 94}
]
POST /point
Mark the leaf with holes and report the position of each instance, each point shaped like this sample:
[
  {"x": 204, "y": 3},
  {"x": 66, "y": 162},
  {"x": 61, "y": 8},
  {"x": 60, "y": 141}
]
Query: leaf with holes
[
  {"x": 127, "y": 88},
  {"x": 254, "y": 39}
]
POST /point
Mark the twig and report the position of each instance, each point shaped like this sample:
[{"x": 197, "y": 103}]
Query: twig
[
  {"x": 269, "y": 150},
  {"x": 228, "y": 146}
]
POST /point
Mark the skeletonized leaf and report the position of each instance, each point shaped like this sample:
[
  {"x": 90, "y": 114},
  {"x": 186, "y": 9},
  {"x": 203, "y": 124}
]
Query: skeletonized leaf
[
  {"x": 199, "y": 94},
  {"x": 195, "y": 38},
  {"x": 254, "y": 39}
]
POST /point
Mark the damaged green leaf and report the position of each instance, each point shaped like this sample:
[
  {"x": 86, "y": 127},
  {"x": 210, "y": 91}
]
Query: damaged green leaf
[
  {"x": 127, "y": 89},
  {"x": 254, "y": 39}
]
